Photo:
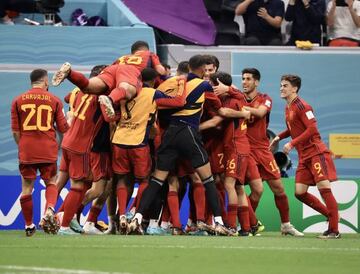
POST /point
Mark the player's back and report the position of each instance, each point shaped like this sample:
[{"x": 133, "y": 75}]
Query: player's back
[
  {"x": 140, "y": 59},
  {"x": 86, "y": 122},
  {"x": 34, "y": 114}
]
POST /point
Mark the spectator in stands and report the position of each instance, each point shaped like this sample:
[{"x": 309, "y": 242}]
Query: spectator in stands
[
  {"x": 307, "y": 17},
  {"x": 343, "y": 20},
  {"x": 262, "y": 20}
]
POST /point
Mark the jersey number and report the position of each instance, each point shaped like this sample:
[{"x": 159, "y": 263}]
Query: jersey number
[
  {"x": 318, "y": 168},
  {"x": 83, "y": 106},
  {"x": 38, "y": 111},
  {"x": 274, "y": 166},
  {"x": 130, "y": 60}
]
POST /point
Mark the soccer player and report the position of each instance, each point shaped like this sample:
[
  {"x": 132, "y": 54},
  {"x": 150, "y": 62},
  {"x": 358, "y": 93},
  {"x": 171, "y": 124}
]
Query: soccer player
[
  {"x": 182, "y": 139},
  {"x": 77, "y": 146},
  {"x": 260, "y": 105},
  {"x": 316, "y": 166},
  {"x": 33, "y": 118},
  {"x": 236, "y": 153},
  {"x": 212, "y": 65}
]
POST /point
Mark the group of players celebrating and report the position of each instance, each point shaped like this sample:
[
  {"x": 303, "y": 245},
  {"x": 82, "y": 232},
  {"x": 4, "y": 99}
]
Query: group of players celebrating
[{"x": 131, "y": 122}]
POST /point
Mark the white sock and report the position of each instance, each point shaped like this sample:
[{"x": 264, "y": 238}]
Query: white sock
[
  {"x": 29, "y": 226},
  {"x": 153, "y": 223},
  {"x": 139, "y": 217},
  {"x": 219, "y": 220},
  {"x": 165, "y": 225},
  {"x": 286, "y": 224},
  {"x": 64, "y": 227},
  {"x": 189, "y": 222}
]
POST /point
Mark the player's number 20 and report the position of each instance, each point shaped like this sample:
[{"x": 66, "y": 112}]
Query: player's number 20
[{"x": 38, "y": 112}]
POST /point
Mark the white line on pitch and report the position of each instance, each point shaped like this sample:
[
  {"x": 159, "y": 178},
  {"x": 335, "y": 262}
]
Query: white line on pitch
[{"x": 37, "y": 269}]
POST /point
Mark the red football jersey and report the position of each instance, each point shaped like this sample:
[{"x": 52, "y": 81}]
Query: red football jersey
[
  {"x": 141, "y": 59},
  {"x": 235, "y": 128},
  {"x": 301, "y": 123},
  {"x": 212, "y": 133},
  {"x": 34, "y": 114},
  {"x": 85, "y": 124},
  {"x": 256, "y": 131}
]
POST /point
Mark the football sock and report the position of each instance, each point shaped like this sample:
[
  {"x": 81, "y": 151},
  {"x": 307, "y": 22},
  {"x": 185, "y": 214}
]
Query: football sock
[
  {"x": 232, "y": 213},
  {"x": 199, "y": 201},
  {"x": 165, "y": 216},
  {"x": 51, "y": 193},
  {"x": 282, "y": 204},
  {"x": 71, "y": 204},
  {"x": 27, "y": 208},
  {"x": 142, "y": 186},
  {"x": 211, "y": 196},
  {"x": 121, "y": 193},
  {"x": 94, "y": 213},
  {"x": 243, "y": 215},
  {"x": 78, "y": 79},
  {"x": 332, "y": 206},
  {"x": 254, "y": 204},
  {"x": 252, "y": 215},
  {"x": 173, "y": 202},
  {"x": 221, "y": 195},
  {"x": 149, "y": 194},
  {"x": 313, "y": 202},
  {"x": 117, "y": 94}
]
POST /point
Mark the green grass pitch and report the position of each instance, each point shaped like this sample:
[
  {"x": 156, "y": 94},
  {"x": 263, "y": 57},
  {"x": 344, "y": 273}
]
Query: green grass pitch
[{"x": 269, "y": 253}]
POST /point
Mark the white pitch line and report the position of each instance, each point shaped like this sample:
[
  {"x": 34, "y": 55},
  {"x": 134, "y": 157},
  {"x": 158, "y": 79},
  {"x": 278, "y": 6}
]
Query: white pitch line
[
  {"x": 271, "y": 248},
  {"x": 37, "y": 269}
]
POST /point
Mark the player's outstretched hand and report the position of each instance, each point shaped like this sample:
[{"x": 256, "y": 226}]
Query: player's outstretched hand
[{"x": 274, "y": 142}]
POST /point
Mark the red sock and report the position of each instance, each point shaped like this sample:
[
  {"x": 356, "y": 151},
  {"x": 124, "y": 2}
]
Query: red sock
[
  {"x": 142, "y": 186},
  {"x": 79, "y": 210},
  {"x": 117, "y": 94},
  {"x": 232, "y": 213},
  {"x": 254, "y": 204},
  {"x": 61, "y": 208},
  {"x": 165, "y": 216},
  {"x": 221, "y": 196},
  {"x": 332, "y": 206},
  {"x": 173, "y": 202},
  {"x": 27, "y": 208},
  {"x": 51, "y": 193},
  {"x": 313, "y": 202},
  {"x": 282, "y": 204},
  {"x": 121, "y": 193},
  {"x": 252, "y": 216},
  {"x": 243, "y": 215},
  {"x": 199, "y": 201},
  {"x": 208, "y": 214},
  {"x": 78, "y": 79},
  {"x": 94, "y": 213},
  {"x": 71, "y": 205}
]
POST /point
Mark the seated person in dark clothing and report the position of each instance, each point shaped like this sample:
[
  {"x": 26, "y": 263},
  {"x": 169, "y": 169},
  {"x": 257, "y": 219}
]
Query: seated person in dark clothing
[
  {"x": 307, "y": 16},
  {"x": 262, "y": 20}
]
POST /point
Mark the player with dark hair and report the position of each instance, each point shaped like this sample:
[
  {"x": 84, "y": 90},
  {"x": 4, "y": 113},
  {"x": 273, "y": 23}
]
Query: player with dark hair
[
  {"x": 182, "y": 139},
  {"x": 316, "y": 166},
  {"x": 212, "y": 66},
  {"x": 260, "y": 105},
  {"x": 33, "y": 118}
]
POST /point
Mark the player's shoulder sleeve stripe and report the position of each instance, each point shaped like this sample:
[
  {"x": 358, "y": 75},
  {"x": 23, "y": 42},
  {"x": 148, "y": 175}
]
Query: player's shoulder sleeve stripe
[{"x": 299, "y": 104}]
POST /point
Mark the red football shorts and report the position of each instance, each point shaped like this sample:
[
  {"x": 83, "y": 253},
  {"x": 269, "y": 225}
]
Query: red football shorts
[
  {"x": 113, "y": 75},
  {"x": 316, "y": 169},
  {"x": 136, "y": 160},
  {"x": 215, "y": 150},
  {"x": 78, "y": 165},
  {"x": 47, "y": 171},
  {"x": 252, "y": 172},
  {"x": 266, "y": 163},
  {"x": 236, "y": 165},
  {"x": 100, "y": 163}
]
